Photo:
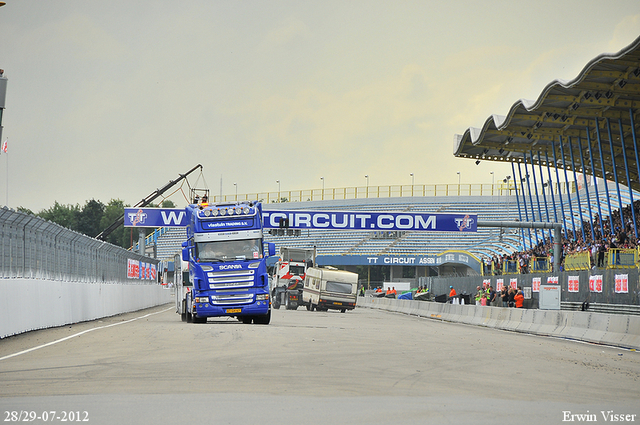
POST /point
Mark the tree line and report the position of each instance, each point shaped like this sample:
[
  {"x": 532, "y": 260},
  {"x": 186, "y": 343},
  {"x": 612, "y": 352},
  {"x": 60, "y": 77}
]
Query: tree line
[{"x": 93, "y": 217}]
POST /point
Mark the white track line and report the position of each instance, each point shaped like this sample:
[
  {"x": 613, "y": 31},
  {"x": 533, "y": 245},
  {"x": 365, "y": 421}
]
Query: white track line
[{"x": 80, "y": 333}]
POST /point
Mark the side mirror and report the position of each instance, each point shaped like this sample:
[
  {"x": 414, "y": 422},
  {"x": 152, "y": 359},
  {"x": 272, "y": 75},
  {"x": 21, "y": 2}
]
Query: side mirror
[
  {"x": 185, "y": 254},
  {"x": 272, "y": 249}
]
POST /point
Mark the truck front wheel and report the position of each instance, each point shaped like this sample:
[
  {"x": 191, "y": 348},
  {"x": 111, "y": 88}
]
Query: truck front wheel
[{"x": 263, "y": 320}]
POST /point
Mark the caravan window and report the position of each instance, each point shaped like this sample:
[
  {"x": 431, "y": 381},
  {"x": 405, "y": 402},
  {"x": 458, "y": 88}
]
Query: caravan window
[{"x": 339, "y": 287}]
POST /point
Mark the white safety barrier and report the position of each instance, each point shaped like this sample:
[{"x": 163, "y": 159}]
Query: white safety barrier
[
  {"x": 30, "y": 304},
  {"x": 622, "y": 330}
]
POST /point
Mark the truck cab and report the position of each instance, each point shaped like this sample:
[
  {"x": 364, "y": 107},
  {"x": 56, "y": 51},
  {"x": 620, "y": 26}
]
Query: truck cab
[{"x": 227, "y": 263}]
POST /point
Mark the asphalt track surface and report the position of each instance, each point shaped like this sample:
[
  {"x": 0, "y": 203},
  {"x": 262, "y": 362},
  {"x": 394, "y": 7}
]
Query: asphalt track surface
[{"x": 361, "y": 367}]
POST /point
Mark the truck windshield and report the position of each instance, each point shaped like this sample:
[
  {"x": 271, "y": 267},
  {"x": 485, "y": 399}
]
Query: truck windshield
[
  {"x": 296, "y": 270},
  {"x": 342, "y": 288},
  {"x": 221, "y": 251}
]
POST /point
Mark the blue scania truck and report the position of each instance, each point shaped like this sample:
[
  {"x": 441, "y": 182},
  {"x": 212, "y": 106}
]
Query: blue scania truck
[{"x": 226, "y": 257}]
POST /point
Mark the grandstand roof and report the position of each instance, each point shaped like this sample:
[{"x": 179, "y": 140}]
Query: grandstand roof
[{"x": 607, "y": 90}]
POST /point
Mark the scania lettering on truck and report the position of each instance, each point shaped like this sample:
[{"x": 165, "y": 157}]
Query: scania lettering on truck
[
  {"x": 227, "y": 263},
  {"x": 329, "y": 288}
]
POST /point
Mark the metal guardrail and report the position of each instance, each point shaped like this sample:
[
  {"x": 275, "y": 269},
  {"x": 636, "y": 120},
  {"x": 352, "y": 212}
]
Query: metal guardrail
[
  {"x": 34, "y": 248},
  {"x": 622, "y": 258},
  {"x": 391, "y": 191},
  {"x": 577, "y": 261},
  {"x": 602, "y": 308}
]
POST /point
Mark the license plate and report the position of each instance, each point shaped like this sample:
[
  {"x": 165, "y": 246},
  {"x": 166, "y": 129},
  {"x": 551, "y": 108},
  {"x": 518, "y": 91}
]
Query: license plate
[
  {"x": 234, "y": 310},
  {"x": 338, "y": 303}
]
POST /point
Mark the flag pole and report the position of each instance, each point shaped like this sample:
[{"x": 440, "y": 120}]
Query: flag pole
[{"x": 6, "y": 154}]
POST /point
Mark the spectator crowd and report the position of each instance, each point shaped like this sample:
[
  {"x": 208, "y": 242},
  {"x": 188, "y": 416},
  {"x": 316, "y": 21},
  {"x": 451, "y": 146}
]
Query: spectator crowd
[{"x": 621, "y": 236}]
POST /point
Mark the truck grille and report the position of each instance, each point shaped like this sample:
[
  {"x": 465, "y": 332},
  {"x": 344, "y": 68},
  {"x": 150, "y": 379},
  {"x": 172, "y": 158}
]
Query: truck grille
[
  {"x": 232, "y": 299},
  {"x": 231, "y": 279}
]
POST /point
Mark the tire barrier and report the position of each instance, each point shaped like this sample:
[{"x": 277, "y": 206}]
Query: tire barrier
[{"x": 620, "y": 330}]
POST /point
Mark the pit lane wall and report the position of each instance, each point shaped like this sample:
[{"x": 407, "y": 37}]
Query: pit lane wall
[
  {"x": 30, "y": 304},
  {"x": 620, "y": 330},
  {"x": 52, "y": 276}
]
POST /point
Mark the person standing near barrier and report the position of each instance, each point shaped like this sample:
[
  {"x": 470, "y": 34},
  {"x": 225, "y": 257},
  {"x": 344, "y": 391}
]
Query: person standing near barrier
[
  {"x": 601, "y": 250},
  {"x": 504, "y": 294},
  {"x": 512, "y": 299},
  {"x": 492, "y": 296},
  {"x": 519, "y": 299}
]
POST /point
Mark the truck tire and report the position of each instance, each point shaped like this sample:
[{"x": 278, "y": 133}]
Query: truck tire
[
  {"x": 189, "y": 317},
  {"x": 183, "y": 315},
  {"x": 263, "y": 320},
  {"x": 247, "y": 320},
  {"x": 276, "y": 305},
  {"x": 197, "y": 319},
  {"x": 311, "y": 306},
  {"x": 343, "y": 310}
]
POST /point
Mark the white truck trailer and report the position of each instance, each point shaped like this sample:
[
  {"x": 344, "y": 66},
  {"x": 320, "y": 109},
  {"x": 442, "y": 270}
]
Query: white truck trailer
[{"x": 288, "y": 276}]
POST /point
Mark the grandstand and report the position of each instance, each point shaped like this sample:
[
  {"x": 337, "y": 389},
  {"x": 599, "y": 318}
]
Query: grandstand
[{"x": 354, "y": 246}]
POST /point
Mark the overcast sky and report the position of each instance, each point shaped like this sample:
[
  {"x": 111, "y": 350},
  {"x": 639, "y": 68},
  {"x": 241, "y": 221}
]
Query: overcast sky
[{"x": 112, "y": 99}]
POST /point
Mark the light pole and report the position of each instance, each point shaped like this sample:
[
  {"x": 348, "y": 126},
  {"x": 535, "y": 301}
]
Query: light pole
[
  {"x": 493, "y": 182},
  {"x": 278, "y": 181},
  {"x": 236, "y": 186},
  {"x": 458, "y": 173},
  {"x": 322, "y": 196},
  {"x": 412, "y": 182},
  {"x": 506, "y": 180},
  {"x": 367, "y": 190}
]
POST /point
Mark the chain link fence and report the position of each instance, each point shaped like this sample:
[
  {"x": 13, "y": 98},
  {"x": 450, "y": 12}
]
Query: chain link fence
[{"x": 34, "y": 248}]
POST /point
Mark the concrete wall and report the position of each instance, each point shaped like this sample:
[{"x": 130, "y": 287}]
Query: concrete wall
[
  {"x": 30, "y": 304},
  {"x": 611, "y": 329}
]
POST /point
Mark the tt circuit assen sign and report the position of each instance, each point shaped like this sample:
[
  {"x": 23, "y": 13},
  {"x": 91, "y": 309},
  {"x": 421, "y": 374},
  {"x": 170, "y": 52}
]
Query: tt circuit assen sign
[
  {"x": 329, "y": 220},
  {"x": 344, "y": 220}
]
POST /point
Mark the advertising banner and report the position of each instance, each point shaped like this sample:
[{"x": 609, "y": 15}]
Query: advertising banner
[
  {"x": 155, "y": 217},
  {"x": 595, "y": 283},
  {"x": 514, "y": 282},
  {"x": 330, "y": 220},
  {"x": 535, "y": 284},
  {"x": 573, "y": 283},
  {"x": 377, "y": 221},
  {"x": 622, "y": 284}
]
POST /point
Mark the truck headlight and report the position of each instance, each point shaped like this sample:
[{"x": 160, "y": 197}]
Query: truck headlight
[
  {"x": 262, "y": 297},
  {"x": 254, "y": 265},
  {"x": 202, "y": 299}
]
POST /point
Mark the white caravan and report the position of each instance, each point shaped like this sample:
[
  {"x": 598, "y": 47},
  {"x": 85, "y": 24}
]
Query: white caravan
[{"x": 326, "y": 288}]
